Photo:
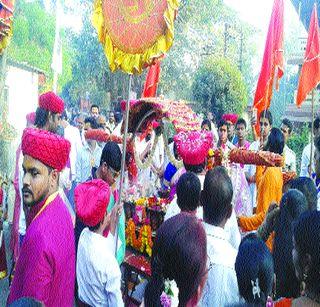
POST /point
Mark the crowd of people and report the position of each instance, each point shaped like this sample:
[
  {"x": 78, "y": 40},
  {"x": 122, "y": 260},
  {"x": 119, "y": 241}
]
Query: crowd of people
[{"x": 233, "y": 235}]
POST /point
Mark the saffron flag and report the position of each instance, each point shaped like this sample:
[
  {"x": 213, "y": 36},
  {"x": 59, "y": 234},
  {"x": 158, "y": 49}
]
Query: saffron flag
[
  {"x": 152, "y": 80},
  {"x": 272, "y": 63},
  {"x": 310, "y": 71}
]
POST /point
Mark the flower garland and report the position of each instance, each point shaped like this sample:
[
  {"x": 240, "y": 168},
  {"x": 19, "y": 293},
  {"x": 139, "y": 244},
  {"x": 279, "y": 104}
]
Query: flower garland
[
  {"x": 147, "y": 163},
  {"x": 177, "y": 163},
  {"x": 144, "y": 240}
]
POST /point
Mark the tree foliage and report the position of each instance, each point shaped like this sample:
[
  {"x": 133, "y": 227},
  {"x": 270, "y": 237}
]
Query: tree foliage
[
  {"x": 203, "y": 29},
  {"x": 219, "y": 87},
  {"x": 33, "y": 40}
]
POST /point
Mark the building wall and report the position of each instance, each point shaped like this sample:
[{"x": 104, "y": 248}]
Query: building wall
[
  {"x": 21, "y": 98},
  {"x": 22, "y": 95}
]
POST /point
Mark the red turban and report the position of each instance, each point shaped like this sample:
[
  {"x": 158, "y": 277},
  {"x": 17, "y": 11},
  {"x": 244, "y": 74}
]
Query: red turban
[
  {"x": 31, "y": 117},
  {"x": 92, "y": 200},
  {"x": 193, "y": 146},
  {"x": 51, "y": 102},
  {"x": 230, "y": 118},
  {"x": 49, "y": 148}
]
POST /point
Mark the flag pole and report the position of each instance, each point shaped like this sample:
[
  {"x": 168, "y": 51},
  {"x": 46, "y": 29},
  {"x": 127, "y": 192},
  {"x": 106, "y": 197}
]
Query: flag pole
[
  {"x": 123, "y": 161},
  {"x": 312, "y": 129}
]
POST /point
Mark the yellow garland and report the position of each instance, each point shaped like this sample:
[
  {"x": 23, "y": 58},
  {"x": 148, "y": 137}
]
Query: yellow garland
[
  {"x": 134, "y": 63},
  {"x": 177, "y": 163}
]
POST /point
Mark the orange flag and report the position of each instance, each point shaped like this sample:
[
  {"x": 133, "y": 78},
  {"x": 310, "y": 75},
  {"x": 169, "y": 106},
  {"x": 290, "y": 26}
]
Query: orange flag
[
  {"x": 272, "y": 63},
  {"x": 152, "y": 80},
  {"x": 310, "y": 71}
]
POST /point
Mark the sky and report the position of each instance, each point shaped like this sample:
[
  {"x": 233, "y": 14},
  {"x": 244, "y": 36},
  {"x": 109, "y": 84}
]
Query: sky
[{"x": 257, "y": 13}]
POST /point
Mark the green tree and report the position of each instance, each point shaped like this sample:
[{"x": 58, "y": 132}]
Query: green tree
[
  {"x": 219, "y": 87},
  {"x": 298, "y": 141},
  {"x": 200, "y": 33},
  {"x": 33, "y": 39}
]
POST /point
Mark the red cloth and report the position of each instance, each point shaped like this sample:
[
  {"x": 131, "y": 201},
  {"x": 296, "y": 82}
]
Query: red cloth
[
  {"x": 310, "y": 72},
  {"x": 49, "y": 148},
  {"x": 193, "y": 146},
  {"x": 51, "y": 102},
  {"x": 92, "y": 199},
  {"x": 272, "y": 63},
  {"x": 1, "y": 196},
  {"x": 31, "y": 117},
  {"x": 230, "y": 118},
  {"x": 152, "y": 80}
]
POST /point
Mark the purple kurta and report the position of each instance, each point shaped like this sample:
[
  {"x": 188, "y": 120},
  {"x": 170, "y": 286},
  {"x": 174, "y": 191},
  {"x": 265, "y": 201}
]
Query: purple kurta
[{"x": 45, "y": 269}]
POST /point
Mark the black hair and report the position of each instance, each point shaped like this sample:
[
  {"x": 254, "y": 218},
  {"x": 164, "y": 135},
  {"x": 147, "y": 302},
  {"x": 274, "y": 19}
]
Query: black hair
[
  {"x": 216, "y": 196},
  {"x": 174, "y": 258},
  {"x": 42, "y": 117},
  {"x": 92, "y": 121},
  {"x": 241, "y": 121},
  {"x": 288, "y": 123},
  {"x": 275, "y": 141},
  {"x": 188, "y": 192},
  {"x": 94, "y": 106},
  {"x": 221, "y": 123},
  {"x": 111, "y": 155},
  {"x": 308, "y": 189},
  {"x": 267, "y": 115},
  {"x": 206, "y": 122},
  {"x": 292, "y": 205},
  {"x": 197, "y": 169},
  {"x": 306, "y": 233},
  {"x": 254, "y": 267},
  {"x": 94, "y": 228}
]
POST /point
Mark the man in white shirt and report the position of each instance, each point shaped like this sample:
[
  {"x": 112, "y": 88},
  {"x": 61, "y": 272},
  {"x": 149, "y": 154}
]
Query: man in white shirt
[
  {"x": 188, "y": 195},
  {"x": 98, "y": 273},
  {"x": 89, "y": 156},
  {"x": 305, "y": 158},
  {"x": 289, "y": 155},
  {"x": 221, "y": 288}
]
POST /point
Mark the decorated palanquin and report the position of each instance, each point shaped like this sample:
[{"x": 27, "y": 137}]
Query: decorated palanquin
[{"x": 6, "y": 17}]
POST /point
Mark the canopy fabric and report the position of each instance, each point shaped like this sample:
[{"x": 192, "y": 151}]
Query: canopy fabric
[{"x": 134, "y": 33}]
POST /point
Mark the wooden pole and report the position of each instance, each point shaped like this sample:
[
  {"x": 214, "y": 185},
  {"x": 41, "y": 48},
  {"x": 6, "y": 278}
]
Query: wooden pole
[{"x": 124, "y": 149}]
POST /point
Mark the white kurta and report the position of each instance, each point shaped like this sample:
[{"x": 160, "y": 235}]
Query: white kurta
[
  {"x": 221, "y": 288},
  {"x": 231, "y": 228},
  {"x": 305, "y": 161},
  {"x": 98, "y": 273}
]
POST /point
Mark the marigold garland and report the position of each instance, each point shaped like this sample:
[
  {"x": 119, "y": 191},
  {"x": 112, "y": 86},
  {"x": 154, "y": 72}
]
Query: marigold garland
[{"x": 144, "y": 240}]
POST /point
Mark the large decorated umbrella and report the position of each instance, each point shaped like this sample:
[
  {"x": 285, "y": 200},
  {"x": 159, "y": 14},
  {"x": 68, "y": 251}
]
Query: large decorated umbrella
[
  {"x": 6, "y": 16},
  {"x": 134, "y": 32}
]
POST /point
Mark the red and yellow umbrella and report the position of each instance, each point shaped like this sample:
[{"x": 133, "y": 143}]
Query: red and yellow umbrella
[{"x": 134, "y": 32}]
